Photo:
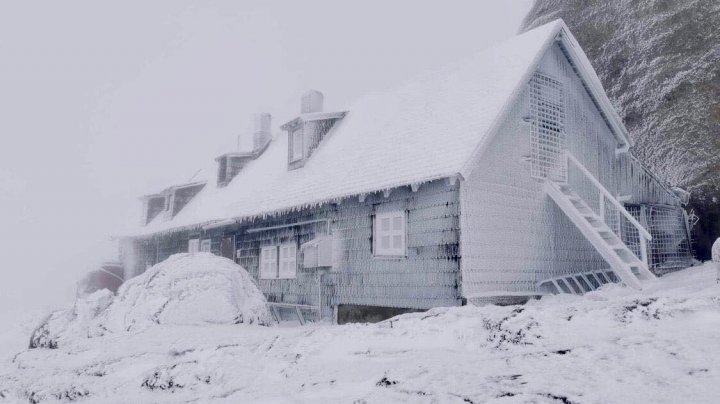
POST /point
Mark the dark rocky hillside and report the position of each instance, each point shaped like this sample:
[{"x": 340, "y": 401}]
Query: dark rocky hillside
[{"x": 660, "y": 64}]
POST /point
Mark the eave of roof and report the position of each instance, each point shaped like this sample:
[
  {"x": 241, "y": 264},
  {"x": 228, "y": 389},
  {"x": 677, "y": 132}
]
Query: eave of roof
[
  {"x": 313, "y": 116},
  {"x": 248, "y": 155}
]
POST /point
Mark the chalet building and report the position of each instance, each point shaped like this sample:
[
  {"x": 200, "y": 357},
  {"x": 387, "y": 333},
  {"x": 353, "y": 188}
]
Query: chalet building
[{"x": 502, "y": 178}]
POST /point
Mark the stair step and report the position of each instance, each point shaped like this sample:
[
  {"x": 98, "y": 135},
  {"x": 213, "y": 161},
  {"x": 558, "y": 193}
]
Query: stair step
[
  {"x": 611, "y": 240},
  {"x": 625, "y": 254},
  {"x": 607, "y": 234},
  {"x": 626, "y": 267}
]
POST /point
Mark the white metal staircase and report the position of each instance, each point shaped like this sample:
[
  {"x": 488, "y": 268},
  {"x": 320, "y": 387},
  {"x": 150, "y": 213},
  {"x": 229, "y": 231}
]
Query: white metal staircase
[{"x": 603, "y": 224}]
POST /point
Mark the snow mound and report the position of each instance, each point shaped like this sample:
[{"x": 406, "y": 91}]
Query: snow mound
[
  {"x": 189, "y": 289},
  {"x": 65, "y": 325}
]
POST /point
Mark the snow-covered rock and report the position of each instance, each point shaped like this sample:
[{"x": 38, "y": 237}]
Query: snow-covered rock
[
  {"x": 187, "y": 289},
  {"x": 73, "y": 324},
  {"x": 614, "y": 345}
]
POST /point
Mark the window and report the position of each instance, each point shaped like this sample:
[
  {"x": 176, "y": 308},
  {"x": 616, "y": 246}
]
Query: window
[
  {"x": 390, "y": 233},
  {"x": 288, "y": 261},
  {"x": 193, "y": 245},
  {"x": 297, "y": 145},
  {"x": 268, "y": 263},
  {"x": 547, "y": 105},
  {"x": 205, "y": 245}
]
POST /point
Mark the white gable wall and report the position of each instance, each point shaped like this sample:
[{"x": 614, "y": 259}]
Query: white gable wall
[{"x": 512, "y": 234}]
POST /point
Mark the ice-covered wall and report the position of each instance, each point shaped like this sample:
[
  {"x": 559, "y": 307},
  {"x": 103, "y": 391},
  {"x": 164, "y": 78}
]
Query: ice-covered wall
[
  {"x": 513, "y": 235},
  {"x": 428, "y": 277}
]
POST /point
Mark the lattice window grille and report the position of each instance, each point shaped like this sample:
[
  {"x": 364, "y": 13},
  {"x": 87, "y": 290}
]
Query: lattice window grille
[
  {"x": 547, "y": 106},
  {"x": 670, "y": 247}
]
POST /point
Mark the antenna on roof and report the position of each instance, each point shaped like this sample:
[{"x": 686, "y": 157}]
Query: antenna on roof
[{"x": 194, "y": 175}]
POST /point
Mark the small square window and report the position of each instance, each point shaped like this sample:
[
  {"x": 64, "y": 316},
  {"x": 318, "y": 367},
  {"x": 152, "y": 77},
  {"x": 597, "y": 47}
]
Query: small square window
[{"x": 390, "y": 234}]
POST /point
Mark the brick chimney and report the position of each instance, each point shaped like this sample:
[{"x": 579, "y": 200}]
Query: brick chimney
[
  {"x": 262, "y": 134},
  {"x": 311, "y": 101}
]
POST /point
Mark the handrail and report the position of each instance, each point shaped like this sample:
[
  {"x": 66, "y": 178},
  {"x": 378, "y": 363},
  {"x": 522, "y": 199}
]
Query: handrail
[{"x": 570, "y": 158}]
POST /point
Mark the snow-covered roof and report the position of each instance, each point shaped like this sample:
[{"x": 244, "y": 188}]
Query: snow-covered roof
[{"x": 427, "y": 129}]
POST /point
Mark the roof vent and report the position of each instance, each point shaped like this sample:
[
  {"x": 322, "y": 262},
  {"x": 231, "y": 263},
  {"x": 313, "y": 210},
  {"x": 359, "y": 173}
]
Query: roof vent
[{"x": 312, "y": 101}]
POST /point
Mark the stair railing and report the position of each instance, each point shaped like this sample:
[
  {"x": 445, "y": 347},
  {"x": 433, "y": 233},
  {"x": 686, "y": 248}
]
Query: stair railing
[{"x": 614, "y": 214}]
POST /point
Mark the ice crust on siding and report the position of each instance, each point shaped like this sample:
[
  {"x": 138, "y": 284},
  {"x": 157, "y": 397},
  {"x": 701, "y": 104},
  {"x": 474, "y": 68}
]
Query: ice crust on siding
[{"x": 425, "y": 130}]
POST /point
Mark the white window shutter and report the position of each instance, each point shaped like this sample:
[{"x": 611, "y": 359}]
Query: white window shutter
[
  {"x": 193, "y": 245},
  {"x": 391, "y": 233},
  {"x": 288, "y": 261},
  {"x": 268, "y": 263}
]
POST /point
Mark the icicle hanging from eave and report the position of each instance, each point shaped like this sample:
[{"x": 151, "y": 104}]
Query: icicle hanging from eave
[{"x": 215, "y": 223}]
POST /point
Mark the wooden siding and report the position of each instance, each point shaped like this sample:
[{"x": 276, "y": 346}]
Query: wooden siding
[
  {"x": 428, "y": 277},
  {"x": 513, "y": 235}
]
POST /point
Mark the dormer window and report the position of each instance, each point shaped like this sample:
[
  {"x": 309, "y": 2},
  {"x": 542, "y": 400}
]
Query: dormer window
[
  {"x": 307, "y": 131},
  {"x": 153, "y": 206},
  {"x": 178, "y": 196},
  {"x": 229, "y": 165},
  {"x": 297, "y": 145}
]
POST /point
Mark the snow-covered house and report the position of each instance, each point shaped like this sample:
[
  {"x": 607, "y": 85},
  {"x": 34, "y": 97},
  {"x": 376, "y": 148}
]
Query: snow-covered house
[{"x": 503, "y": 177}]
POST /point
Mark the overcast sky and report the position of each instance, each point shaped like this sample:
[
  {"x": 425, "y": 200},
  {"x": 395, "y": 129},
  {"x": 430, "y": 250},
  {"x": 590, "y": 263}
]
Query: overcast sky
[{"x": 101, "y": 102}]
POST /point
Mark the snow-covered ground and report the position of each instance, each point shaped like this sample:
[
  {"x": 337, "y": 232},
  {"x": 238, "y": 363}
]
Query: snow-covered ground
[{"x": 615, "y": 345}]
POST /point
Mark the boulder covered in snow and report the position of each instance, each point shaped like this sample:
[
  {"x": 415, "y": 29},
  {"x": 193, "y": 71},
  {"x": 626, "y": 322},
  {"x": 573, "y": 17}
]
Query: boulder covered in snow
[
  {"x": 189, "y": 289},
  {"x": 182, "y": 290},
  {"x": 70, "y": 324}
]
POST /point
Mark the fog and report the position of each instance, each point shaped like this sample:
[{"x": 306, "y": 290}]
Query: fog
[{"x": 103, "y": 102}]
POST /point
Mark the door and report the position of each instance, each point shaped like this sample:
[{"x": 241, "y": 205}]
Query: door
[{"x": 227, "y": 247}]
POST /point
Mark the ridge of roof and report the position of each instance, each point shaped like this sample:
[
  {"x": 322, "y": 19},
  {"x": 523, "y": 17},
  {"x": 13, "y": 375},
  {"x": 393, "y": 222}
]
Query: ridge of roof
[{"x": 430, "y": 128}]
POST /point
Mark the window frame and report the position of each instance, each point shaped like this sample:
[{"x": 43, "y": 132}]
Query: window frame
[
  {"x": 390, "y": 252},
  {"x": 296, "y": 135},
  {"x": 292, "y": 258},
  {"x": 265, "y": 262},
  {"x": 206, "y": 242}
]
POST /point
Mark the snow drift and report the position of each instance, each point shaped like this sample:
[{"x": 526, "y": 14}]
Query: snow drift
[
  {"x": 613, "y": 345},
  {"x": 185, "y": 289},
  {"x": 189, "y": 289},
  {"x": 66, "y": 325}
]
